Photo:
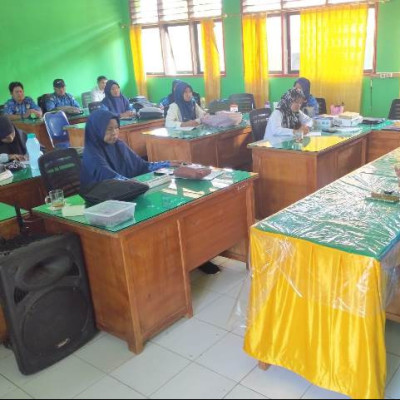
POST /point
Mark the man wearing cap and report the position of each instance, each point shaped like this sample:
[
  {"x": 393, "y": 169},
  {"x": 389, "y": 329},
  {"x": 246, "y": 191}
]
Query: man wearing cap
[
  {"x": 60, "y": 100},
  {"x": 20, "y": 106}
]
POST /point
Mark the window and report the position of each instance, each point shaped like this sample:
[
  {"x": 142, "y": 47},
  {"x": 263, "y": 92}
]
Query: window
[
  {"x": 172, "y": 28},
  {"x": 283, "y": 32}
]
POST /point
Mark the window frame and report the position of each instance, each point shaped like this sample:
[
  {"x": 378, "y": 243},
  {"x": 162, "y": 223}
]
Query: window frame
[
  {"x": 195, "y": 43},
  {"x": 286, "y": 40}
]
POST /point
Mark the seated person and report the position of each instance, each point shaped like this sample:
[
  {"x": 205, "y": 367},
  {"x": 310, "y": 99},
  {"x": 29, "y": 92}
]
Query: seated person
[
  {"x": 116, "y": 102},
  {"x": 107, "y": 157},
  {"x": 12, "y": 141},
  {"x": 20, "y": 106},
  {"x": 305, "y": 85},
  {"x": 166, "y": 101},
  {"x": 98, "y": 91},
  {"x": 287, "y": 120},
  {"x": 184, "y": 111},
  {"x": 61, "y": 100}
]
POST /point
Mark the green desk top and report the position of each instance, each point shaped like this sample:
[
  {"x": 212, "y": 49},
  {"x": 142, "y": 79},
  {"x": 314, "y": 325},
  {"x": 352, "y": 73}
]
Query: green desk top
[
  {"x": 40, "y": 121},
  {"x": 7, "y": 212},
  {"x": 161, "y": 199},
  {"x": 319, "y": 143},
  {"x": 198, "y": 132},
  {"x": 340, "y": 216},
  {"x": 123, "y": 123},
  {"x": 23, "y": 175}
]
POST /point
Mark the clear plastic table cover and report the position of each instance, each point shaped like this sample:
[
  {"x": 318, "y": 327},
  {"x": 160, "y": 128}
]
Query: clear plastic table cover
[{"x": 360, "y": 235}]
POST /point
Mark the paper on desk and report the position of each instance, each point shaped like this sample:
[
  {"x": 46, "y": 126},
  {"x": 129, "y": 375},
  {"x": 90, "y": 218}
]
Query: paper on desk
[
  {"x": 185, "y": 128},
  {"x": 313, "y": 133}
]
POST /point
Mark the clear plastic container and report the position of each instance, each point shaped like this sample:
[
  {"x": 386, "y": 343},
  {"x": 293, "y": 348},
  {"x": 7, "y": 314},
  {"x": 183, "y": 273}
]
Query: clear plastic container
[{"x": 110, "y": 213}]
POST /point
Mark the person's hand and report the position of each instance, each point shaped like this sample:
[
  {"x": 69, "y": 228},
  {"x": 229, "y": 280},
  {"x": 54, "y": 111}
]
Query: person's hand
[
  {"x": 190, "y": 123},
  {"x": 18, "y": 157},
  {"x": 127, "y": 114},
  {"x": 305, "y": 129}
]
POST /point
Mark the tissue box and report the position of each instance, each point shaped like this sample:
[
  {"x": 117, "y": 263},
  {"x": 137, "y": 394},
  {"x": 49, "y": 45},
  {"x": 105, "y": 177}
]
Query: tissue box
[{"x": 323, "y": 123}]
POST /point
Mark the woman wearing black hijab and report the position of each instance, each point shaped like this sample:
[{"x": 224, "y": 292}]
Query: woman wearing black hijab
[{"x": 12, "y": 141}]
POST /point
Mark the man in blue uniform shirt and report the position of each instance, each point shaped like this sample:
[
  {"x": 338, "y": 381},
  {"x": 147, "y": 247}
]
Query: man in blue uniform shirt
[
  {"x": 19, "y": 106},
  {"x": 61, "y": 100}
]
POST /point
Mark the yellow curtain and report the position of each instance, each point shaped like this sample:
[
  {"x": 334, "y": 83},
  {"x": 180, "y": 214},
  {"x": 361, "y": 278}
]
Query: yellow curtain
[
  {"x": 255, "y": 54},
  {"x": 137, "y": 55},
  {"x": 332, "y": 49},
  {"x": 212, "y": 73}
]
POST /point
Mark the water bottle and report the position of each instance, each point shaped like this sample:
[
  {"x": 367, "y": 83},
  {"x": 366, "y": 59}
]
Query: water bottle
[{"x": 33, "y": 147}]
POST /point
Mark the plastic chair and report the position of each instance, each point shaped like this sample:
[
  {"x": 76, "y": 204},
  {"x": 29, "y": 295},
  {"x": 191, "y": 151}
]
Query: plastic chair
[
  {"x": 60, "y": 169},
  {"x": 394, "y": 112},
  {"x": 245, "y": 101},
  {"x": 322, "y": 105},
  {"x": 55, "y": 123},
  {"x": 258, "y": 121},
  {"x": 93, "y": 106},
  {"x": 218, "y": 105},
  {"x": 86, "y": 99}
]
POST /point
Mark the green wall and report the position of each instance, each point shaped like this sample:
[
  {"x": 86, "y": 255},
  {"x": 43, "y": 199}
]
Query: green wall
[
  {"x": 80, "y": 39},
  {"x": 383, "y": 91},
  {"x": 76, "y": 40}
]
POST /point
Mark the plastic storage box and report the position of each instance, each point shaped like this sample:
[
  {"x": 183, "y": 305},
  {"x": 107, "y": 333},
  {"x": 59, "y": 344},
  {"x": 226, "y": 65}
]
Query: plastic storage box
[{"x": 110, "y": 213}]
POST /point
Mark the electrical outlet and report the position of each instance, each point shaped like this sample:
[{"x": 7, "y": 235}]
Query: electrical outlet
[{"x": 384, "y": 75}]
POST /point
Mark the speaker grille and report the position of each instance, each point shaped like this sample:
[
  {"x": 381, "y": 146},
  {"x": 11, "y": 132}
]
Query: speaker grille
[{"x": 55, "y": 321}]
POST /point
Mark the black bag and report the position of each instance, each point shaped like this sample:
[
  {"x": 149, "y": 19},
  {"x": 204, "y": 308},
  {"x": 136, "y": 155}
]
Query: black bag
[
  {"x": 150, "y": 113},
  {"x": 113, "y": 189}
]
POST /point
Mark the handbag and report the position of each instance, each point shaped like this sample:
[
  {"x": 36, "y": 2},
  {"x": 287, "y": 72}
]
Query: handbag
[
  {"x": 113, "y": 189},
  {"x": 192, "y": 171},
  {"x": 222, "y": 119}
]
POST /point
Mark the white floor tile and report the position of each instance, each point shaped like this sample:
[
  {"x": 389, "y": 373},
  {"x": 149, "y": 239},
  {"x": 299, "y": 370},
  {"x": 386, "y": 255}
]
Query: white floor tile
[
  {"x": 4, "y": 352},
  {"x": 276, "y": 383},
  {"x": 65, "y": 379},
  {"x": 393, "y": 389},
  {"x": 219, "y": 260},
  {"x": 148, "y": 371},
  {"x": 109, "y": 388},
  {"x": 106, "y": 353},
  {"x": 5, "y": 386},
  {"x": 219, "y": 313},
  {"x": 393, "y": 337},
  {"x": 202, "y": 297},
  {"x": 241, "y": 392},
  {"x": 234, "y": 265},
  {"x": 9, "y": 369},
  {"x": 315, "y": 392},
  {"x": 195, "y": 382},
  {"x": 221, "y": 283},
  {"x": 191, "y": 338},
  {"x": 228, "y": 358},
  {"x": 392, "y": 363},
  {"x": 16, "y": 394}
]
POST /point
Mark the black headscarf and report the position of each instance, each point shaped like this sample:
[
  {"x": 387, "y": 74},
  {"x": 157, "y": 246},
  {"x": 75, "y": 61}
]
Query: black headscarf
[
  {"x": 290, "y": 119},
  {"x": 17, "y": 146}
]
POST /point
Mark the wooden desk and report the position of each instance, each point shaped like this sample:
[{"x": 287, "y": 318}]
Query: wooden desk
[
  {"x": 38, "y": 127},
  {"x": 130, "y": 132},
  {"x": 25, "y": 190},
  {"x": 329, "y": 266},
  {"x": 139, "y": 272},
  {"x": 381, "y": 142},
  {"x": 223, "y": 147},
  {"x": 290, "y": 171}
]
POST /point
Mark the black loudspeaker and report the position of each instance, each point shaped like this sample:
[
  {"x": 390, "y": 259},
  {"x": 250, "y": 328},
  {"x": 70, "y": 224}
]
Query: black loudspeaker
[{"x": 45, "y": 296}]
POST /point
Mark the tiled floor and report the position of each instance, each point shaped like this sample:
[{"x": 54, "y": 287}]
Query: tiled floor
[{"x": 197, "y": 358}]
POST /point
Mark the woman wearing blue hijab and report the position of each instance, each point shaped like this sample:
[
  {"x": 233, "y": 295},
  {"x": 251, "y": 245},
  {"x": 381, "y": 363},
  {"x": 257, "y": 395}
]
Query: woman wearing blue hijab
[
  {"x": 184, "y": 111},
  {"x": 305, "y": 85},
  {"x": 107, "y": 157},
  {"x": 116, "y": 102}
]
